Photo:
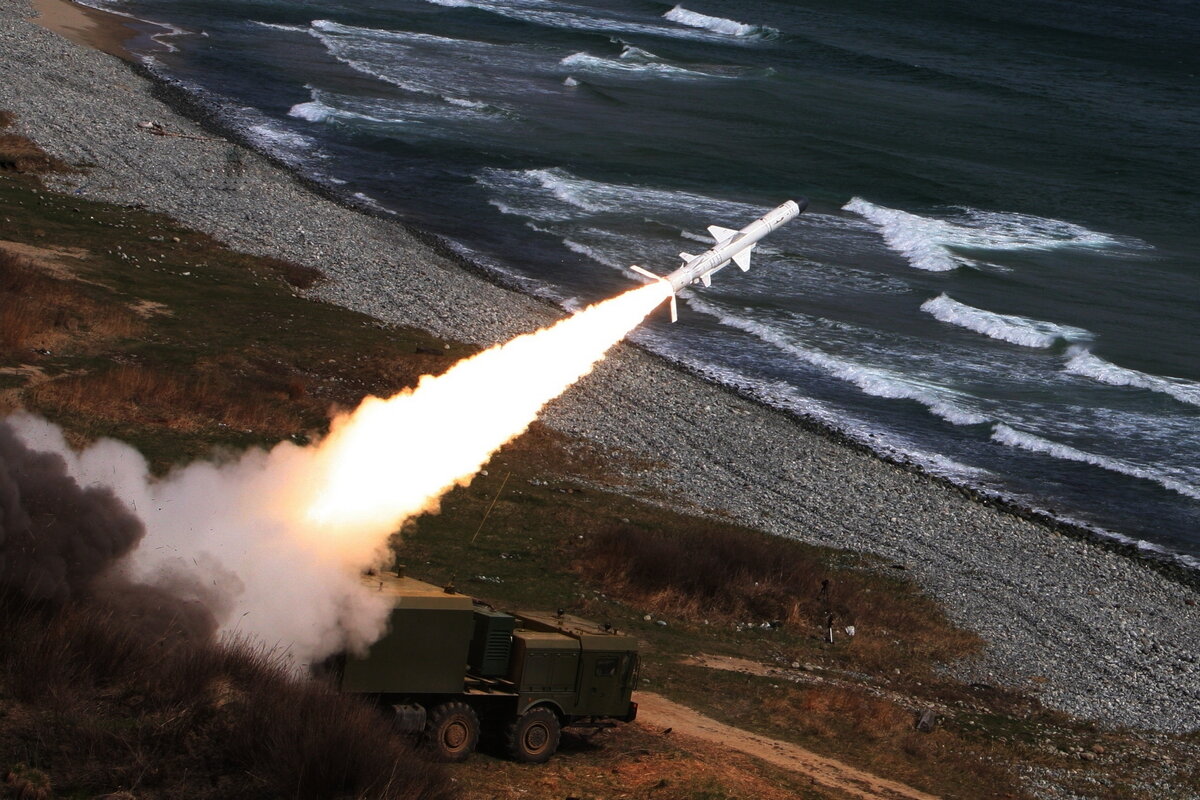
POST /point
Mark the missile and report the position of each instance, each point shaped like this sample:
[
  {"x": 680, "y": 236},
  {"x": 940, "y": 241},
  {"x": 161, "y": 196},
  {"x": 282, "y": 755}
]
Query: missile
[{"x": 732, "y": 246}]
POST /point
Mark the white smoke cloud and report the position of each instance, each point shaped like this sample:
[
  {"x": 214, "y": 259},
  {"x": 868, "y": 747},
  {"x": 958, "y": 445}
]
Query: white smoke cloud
[
  {"x": 224, "y": 526},
  {"x": 274, "y": 541}
]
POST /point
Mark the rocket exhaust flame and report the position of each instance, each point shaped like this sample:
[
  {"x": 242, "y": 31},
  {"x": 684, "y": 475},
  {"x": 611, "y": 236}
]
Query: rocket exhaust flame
[
  {"x": 277, "y": 539},
  {"x": 393, "y": 459}
]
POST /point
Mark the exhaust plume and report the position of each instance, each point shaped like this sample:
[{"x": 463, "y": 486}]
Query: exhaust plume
[
  {"x": 274, "y": 542},
  {"x": 393, "y": 459}
]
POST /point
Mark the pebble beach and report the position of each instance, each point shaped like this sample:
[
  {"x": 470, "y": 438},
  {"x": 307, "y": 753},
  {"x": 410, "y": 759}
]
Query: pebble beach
[{"x": 1097, "y": 633}]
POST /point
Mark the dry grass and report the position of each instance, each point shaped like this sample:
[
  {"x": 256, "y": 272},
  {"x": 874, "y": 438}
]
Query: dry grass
[
  {"x": 724, "y": 575},
  {"x": 38, "y": 311},
  {"x": 635, "y": 762},
  {"x": 297, "y": 275},
  {"x": 884, "y": 740},
  {"x": 141, "y": 395},
  {"x": 18, "y": 154},
  {"x": 100, "y": 704},
  {"x": 830, "y": 711}
]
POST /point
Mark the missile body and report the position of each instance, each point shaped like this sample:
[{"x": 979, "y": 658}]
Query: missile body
[{"x": 732, "y": 246}]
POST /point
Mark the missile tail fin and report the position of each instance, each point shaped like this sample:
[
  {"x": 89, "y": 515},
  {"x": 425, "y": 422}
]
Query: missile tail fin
[
  {"x": 647, "y": 273},
  {"x": 686, "y": 257},
  {"x": 742, "y": 259},
  {"x": 706, "y": 278},
  {"x": 721, "y": 234}
]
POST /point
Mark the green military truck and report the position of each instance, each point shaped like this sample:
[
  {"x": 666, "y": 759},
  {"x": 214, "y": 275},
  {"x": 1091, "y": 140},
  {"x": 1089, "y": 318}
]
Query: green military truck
[{"x": 451, "y": 668}]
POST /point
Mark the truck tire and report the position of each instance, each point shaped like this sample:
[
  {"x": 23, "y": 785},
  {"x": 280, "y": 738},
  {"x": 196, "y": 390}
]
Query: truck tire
[
  {"x": 452, "y": 731},
  {"x": 533, "y": 737}
]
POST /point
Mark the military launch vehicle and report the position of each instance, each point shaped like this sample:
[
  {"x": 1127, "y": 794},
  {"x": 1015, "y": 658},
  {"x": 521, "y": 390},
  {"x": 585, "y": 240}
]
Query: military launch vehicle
[{"x": 451, "y": 667}]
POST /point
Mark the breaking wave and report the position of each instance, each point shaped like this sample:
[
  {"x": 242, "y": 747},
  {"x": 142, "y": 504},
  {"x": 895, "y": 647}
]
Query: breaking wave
[
  {"x": 635, "y": 62},
  {"x": 874, "y": 381},
  {"x": 1035, "y": 444},
  {"x": 555, "y": 194},
  {"x": 1005, "y": 327},
  {"x": 277, "y": 26},
  {"x": 1086, "y": 365},
  {"x": 592, "y": 253},
  {"x": 572, "y": 17},
  {"x": 431, "y": 117},
  {"x": 345, "y": 43},
  {"x": 279, "y": 141},
  {"x": 725, "y": 27},
  {"x": 930, "y": 244}
]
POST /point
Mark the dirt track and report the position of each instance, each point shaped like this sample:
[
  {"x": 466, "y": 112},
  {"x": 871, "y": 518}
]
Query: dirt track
[{"x": 825, "y": 772}]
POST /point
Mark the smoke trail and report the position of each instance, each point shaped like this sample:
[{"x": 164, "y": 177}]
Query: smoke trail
[{"x": 279, "y": 538}]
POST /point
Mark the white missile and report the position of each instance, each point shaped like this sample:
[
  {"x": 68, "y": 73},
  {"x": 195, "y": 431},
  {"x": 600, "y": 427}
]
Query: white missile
[{"x": 732, "y": 246}]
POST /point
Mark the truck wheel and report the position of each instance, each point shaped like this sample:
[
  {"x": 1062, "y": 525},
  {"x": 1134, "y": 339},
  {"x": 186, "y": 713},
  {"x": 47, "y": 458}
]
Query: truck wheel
[
  {"x": 452, "y": 731},
  {"x": 533, "y": 737}
]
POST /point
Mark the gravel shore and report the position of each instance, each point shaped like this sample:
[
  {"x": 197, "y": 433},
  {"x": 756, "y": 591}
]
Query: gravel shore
[{"x": 1093, "y": 632}]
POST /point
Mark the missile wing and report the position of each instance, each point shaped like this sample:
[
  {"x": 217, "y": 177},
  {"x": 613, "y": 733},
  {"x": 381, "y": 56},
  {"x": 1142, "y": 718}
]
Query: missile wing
[{"x": 731, "y": 245}]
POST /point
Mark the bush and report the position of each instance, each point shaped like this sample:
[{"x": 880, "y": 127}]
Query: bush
[
  {"x": 105, "y": 703},
  {"x": 18, "y": 154},
  {"x": 738, "y": 575}
]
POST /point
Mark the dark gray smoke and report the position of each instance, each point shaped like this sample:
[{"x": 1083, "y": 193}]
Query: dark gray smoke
[
  {"x": 56, "y": 537},
  {"x": 224, "y": 538},
  {"x": 61, "y": 542}
]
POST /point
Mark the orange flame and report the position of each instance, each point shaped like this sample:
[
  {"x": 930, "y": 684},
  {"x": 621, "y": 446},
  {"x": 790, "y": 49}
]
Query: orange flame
[{"x": 393, "y": 459}]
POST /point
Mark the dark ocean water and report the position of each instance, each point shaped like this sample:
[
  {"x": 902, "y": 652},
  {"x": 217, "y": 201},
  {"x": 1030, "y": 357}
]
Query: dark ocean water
[{"x": 998, "y": 274}]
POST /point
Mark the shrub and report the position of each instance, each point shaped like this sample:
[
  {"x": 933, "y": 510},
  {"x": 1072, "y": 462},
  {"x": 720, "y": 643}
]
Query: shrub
[
  {"x": 111, "y": 702},
  {"x": 18, "y": 154},
  {"x": 737, "y": 575}
]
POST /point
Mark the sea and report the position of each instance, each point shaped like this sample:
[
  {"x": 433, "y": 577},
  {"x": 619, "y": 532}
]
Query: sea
[{"x": 997, "y": 277}]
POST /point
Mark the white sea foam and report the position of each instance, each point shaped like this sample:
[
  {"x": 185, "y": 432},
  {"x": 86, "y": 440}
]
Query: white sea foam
[
  {"x": 425, "y": 118},
  {"x": 280, "y": 142},
  {"x": 592, "y": 253},
  {"x": 585, "y": 18},
  {"x": 312, "y": 111},
  {"x": 276, "y": 26},
  {"x": 346, "y": 44},
  {"x": 1036, "y": 444},
  {"x": 931, "y": 244},
  {"x": 317, "y": 110},
  {"x": 1006, "y": 327},
  {"x": 1086, "y": 365},
  {"x": 725, "y": 27},
  {"x": 372, "y": 203},
  {"x": 875, "y": 381},
  {"x": 634, "y": 61},
  {"x": 271, "y": 137},
  {"x": 319, "y": 26},
  {"x": 641, "y": 64},
  {"x": 555, "y": 194}
]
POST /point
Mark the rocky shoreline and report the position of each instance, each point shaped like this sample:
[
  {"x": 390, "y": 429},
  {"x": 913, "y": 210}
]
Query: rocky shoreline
[{"x": 1089, "y": 630}]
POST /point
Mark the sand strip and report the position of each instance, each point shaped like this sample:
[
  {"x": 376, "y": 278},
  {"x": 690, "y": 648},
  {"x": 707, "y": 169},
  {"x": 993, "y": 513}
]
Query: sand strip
[{"x": 106, "y": 32}]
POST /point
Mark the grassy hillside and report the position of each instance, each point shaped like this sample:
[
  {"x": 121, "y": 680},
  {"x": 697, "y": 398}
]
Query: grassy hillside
[{"x": 115, "y": 321}]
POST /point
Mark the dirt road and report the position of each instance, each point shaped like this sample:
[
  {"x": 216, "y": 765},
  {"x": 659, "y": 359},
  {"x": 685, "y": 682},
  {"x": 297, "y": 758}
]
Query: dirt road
[{"x": 826, "y": 772}]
